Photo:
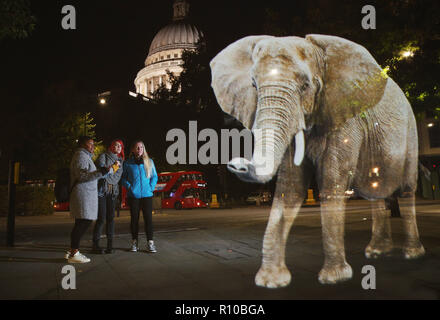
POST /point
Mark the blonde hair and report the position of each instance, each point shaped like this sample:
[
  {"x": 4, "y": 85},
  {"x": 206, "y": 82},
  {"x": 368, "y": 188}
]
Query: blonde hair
[{"x": 148, "y": 165}]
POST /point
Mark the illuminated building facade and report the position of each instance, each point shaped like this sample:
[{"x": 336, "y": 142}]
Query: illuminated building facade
[{"x": 166, "y": 50}]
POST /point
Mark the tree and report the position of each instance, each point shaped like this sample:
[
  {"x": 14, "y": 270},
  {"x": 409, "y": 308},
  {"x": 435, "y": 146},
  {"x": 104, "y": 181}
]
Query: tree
[
  {"x": 51, "y": 147},
  {"x": 16, "y": 19},
  {"x": 191, "y": 90},
  {"x": 406, "y": 42}
]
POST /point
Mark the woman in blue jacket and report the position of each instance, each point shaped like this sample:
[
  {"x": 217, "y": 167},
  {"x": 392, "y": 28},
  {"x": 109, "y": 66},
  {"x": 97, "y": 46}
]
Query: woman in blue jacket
[{"x": 139, "y": 177}]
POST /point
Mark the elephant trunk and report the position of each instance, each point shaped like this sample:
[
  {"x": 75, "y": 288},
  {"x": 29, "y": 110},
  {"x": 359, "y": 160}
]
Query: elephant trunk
[{"x": 279, "y": 117}]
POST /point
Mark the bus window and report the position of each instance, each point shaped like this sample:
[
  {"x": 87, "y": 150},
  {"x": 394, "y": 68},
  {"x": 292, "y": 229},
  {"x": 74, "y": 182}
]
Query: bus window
[
  {"x": 188, "y": 193},
  {"x": 167, "y": 195},
  {"x": 203, "y": 195}
]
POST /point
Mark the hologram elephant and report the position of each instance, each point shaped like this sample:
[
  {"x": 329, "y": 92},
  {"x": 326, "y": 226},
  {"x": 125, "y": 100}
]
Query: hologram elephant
[{"x": 353, "y": 128}]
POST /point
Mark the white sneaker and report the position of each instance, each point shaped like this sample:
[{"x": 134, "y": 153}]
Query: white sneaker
[
  {"x": 151, "y": 248},
  {"x": 134, "y": 247},
  {"x": 78, "y": 258}
]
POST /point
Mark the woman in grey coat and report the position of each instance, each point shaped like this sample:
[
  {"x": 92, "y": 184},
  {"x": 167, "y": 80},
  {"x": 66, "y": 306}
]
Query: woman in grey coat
[
  {"x": 108, "y": 192},
  {"x": 84, "y": 194}
]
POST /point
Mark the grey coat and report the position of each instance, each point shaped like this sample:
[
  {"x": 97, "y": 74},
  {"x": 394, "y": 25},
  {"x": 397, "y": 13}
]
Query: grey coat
[
  {"x": 105, "y": 160},
  {"x": 84, "y": 195}
]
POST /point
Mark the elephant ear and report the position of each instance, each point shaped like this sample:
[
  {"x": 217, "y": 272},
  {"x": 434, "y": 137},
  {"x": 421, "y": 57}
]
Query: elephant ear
[
  {"x": 232, "y": 81},
  {"x": 353, "y": 80}
]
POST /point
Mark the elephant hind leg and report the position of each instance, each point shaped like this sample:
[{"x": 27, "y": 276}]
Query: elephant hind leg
[
  {"x": 381, "y": 242},
  {"x": 413, "y": 248}
]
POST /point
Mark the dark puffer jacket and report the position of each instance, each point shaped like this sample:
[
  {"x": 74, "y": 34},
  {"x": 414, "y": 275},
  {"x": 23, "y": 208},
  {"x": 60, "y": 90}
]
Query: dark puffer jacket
[{"x": 110, "y": 184}]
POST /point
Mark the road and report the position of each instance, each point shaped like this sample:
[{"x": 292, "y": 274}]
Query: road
[{"x": 215, "y": 254}]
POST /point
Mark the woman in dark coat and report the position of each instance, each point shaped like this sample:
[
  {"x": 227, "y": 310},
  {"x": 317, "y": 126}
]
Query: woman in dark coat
[{"x": 108, "y": 191}]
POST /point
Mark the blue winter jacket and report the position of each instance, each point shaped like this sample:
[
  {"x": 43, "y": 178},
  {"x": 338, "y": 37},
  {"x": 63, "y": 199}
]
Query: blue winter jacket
[{"x": 135, "y": 180}]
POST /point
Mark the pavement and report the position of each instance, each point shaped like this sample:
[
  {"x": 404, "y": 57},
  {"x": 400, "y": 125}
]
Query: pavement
[{"x": 209, "y": 254}]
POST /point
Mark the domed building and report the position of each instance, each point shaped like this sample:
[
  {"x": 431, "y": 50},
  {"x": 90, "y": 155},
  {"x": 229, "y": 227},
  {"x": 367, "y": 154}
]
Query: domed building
[{"x": 166, "y": 51}]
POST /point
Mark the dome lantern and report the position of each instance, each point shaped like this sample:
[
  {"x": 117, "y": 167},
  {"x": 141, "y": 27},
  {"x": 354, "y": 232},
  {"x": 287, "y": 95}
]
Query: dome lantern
[
  {"x": 181, "y": 9},
  {"x": 165, "y": 52}
]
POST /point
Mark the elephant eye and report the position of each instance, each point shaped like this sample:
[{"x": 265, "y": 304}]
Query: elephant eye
[
  {"x": 305, "y": 86},
  {"x": 254, "y": 84}
]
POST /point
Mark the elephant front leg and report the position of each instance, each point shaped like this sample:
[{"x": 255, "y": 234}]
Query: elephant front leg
[
  {"x": 381, "y": 242},
  {"x": 336, "y": 268},
  {"x": 289, "y": 196},
  {"x": 273, "y": 272},
  {"x": 413, "y": 248}
]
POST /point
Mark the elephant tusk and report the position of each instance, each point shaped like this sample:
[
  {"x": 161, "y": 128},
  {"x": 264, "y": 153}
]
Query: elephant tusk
[{"x": 299, "y": 148}]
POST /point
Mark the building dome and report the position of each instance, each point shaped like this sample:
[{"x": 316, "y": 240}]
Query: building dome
[
  {"x": 179, "y": 34},
  {"x": 165, "y": 53}
]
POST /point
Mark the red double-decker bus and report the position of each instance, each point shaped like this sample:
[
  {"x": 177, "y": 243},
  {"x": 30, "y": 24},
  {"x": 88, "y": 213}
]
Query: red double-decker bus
[{"x": 182, "y": 190}]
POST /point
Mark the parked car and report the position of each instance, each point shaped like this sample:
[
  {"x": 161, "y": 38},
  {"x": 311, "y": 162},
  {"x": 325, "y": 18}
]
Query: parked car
[
  {"x": 259, "y": 197},
  {"x": 61, "y": 206}
]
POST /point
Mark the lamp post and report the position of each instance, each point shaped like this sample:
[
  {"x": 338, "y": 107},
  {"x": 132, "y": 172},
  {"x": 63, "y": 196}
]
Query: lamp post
[{"x": 14, "y": 170}]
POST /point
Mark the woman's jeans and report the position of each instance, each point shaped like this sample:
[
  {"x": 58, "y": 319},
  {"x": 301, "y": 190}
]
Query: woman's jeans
[
  {"x": 80, "y": 227},
  {"x": 146, "y": 204},
  {"x": 106, "y": 213}
]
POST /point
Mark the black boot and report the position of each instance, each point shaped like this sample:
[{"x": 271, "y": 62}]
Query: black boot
[
  {"x": 109, "y": 249},
  {"x": 96, "y": 249}
]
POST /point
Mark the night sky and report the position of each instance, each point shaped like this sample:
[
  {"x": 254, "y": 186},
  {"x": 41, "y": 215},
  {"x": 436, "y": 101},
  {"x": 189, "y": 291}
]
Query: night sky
[
  {"x": 110, "y": 43},
  {"x": 112, "y": 39}
]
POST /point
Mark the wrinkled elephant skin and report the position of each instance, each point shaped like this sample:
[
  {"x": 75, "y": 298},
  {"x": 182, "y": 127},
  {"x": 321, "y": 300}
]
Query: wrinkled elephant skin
[{"x": 320, "y": 104}]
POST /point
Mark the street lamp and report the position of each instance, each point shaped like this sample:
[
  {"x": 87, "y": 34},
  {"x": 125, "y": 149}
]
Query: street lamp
[
  {"x": 407, "y": 54},
  {"x": 102, "y": 97}
]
